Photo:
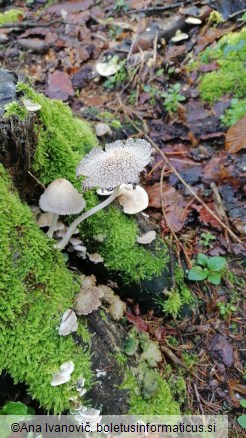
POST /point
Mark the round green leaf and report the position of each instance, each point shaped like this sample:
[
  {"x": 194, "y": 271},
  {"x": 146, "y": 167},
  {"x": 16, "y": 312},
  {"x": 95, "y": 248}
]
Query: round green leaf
[
  {"x": 216, "y": 263},
  {"x": 242, "y": 421},
  {"x": 14, "y": 408},
  {"x": 197, "y": 274},
  {"x": 214, "y": 278},
  {"x": 243, "y": 403},
  {"x": 202, "y": 259}
]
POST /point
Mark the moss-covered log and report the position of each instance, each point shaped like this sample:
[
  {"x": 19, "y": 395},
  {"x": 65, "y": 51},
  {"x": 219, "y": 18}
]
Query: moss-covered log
[{"x": 35, "y": 285}]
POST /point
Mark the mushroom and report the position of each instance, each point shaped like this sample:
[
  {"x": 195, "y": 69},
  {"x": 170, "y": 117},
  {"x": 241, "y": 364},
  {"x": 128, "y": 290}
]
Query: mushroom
[
  {"x": 193, "y": 20},
  {"x": 147, "y": 237},
  {"x": 108, "y": 68},
  {"x": 31, "y": 106},
  {"x": 119, "y": 163},
  {"x": 61, "y": 197},
  {"x": 132, "y": 199},
  {"x": 179, "y": 36},
  {"x": 64, "y": 375},
  {"x": 102, "y": 129},
  {"x": 69, "y": 323}
]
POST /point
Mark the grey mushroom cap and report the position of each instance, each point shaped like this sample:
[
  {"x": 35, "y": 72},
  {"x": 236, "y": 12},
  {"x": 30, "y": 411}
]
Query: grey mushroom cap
[
  {"x": 61, "y": 197},
  {"x": 119, "y": 163}
]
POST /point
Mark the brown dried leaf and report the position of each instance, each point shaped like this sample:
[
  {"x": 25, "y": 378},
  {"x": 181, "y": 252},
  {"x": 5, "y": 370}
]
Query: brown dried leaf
[
  {"x": 169, "y": 195},
  {"x": 236, "y": 136},
  {"x": 205, "y": 217},
  {"x": 59, "y": 86},
  {"x": 222, "y": 350}
]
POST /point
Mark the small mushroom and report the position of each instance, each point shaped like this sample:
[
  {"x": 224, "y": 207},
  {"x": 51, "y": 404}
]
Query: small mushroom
[
  {"x": 31, "y": 106},
  {"x": 45, "y": 220},
  {"x": 95, "y": 258},
  {"x": 69, "y": 323},
  {"x": 61, "y": 197},
  {"x": 179, "y": 36},
  {"x": 193, "y": 20},
  {"x": 117, "y": 308},
  {"x": 102, "y": 129},
  {"x": 75, "y": 241},
  {"x": 147, "y": 237},
  {"x": 108, "y": 68},
  {"x": 64, "y": 375},
  {"x": 132, "y": 199}
]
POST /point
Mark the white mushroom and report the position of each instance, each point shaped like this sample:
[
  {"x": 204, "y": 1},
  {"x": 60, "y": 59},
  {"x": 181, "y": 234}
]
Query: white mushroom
[
  {"x": 75, "y": 241},
  {"x": 119, "y": 163},
  {"x": 108, "y": 68},
  {"x": 61, "y": 197},
  {"x": 147, "y": 237},
  {"x": 179, "y": 36},
  {"x": 31, "y": 106},
  {"x": 133, "y": 200},
  {"x": 69, "y": 323},
  {"x": 64, "y": 375},
  {"x": 104, "y": 192},
  {"x": 193, "y": 20},
  {"x": 117, "y": 308},
  {"x": 102, "y": 129},
  {"x": 95, "y": 258}
]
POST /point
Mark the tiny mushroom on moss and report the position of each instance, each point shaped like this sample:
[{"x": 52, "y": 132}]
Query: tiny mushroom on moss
[
  {"x": 147, "y": 238},
  {"x": 69, "y": 323},
  {"x": 60, "y": 197},
  {"x": 120, "y": 163},
  {"x": 64, "y": 374}
]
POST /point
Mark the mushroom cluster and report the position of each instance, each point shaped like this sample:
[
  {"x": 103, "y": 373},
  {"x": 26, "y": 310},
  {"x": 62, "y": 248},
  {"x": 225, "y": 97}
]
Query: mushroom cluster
[
  {"x": 116, "y": 169},
  {"x": 64, "y": 374}
]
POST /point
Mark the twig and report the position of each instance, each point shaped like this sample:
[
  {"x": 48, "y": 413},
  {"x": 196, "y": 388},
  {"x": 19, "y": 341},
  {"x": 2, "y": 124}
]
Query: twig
[
  {"x": 158, "y": 9},
  {"x": 37, "y": 180},
  {"x": 224, "y": 226},
  {"x": 198, "y": 398},
  {"x": 172, "y": 356}
]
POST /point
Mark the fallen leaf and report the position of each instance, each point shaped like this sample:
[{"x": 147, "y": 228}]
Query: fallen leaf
[
  {"x": 169, "y": 195},
  {"x": 205, "y": 217},
  {"x": 59, "y": 86},
  {"x": 222, "y": 350},
  {"x": 139, "y": 323},
  {"x": 236, "y": 136}
]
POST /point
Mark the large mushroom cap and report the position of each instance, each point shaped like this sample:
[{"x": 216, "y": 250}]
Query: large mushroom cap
[
  {"x": 62, "y": 198},
  {"x": 120, "y": 163}
]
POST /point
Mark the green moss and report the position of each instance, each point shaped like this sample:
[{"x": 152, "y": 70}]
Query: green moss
[
  {"x": 215, "y": 18},
  {"x": 15, "y": 109},
  {"x": 236, "y": 111},
  {"x": 141, "y": 402},
  {"x": 10, "y": 16},
  {"x": 230, "y": 53},
  {"x": 36, "y": 289},
  {"x": 62, "y": 142}
]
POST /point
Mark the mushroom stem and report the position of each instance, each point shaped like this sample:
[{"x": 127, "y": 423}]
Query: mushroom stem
[
  {"x": 51, "y": 229},
  {"x": 82, "y": 217}
]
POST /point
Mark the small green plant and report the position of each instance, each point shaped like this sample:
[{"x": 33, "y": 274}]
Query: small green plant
[
  {"x": 190, "y": 359},
  {"x": 206, "y": 240},
  {"x": 215, "y": 18},
  {"x": 208, "y": 268},
  {"x": 16, "y": 408},
  {"x": 242, "y": 418},
  {"x": 235, "y": 112},
  {"x": 117, "y": 79},
  {"x": 172, "y": 97},
  {"x": 121, "y": 6},
  {"x": 226, "y": 308}
]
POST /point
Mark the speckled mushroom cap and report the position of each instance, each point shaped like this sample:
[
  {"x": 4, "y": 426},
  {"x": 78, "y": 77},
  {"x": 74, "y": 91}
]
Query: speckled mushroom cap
[
  {"x": 62, "y": 198},
  {"x": 119, "y": 163}
]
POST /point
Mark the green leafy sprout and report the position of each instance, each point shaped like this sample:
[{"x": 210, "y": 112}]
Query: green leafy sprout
[
  {"x": 208, "y": 268},
  {"x": 172, "y": 97},
  {"x": 242, "y": 418},
  {"x": 206, "y": 240}
]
